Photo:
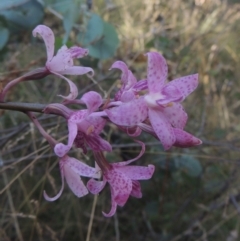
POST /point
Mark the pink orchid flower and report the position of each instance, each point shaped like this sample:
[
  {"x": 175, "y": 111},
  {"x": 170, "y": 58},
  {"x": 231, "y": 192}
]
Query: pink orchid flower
[
  {"x": 130, "y": 86},
  {"x": 71, "y": 169},
  {"x": 123, "y": 181},
  {"x": 161, "y": 105},
  {"x": 85, "y": 126},
  {"x": 62, "y": 62}
]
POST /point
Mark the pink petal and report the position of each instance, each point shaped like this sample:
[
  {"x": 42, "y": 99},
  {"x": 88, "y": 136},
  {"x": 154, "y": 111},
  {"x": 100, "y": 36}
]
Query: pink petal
[
  {"x": 78, "y": 116},
  {"x": 95, "y": 187},
  {"x": 136, "y": 189},
  {"x": 123, "y": 67},
  {"x": 157, "y": 72},
  {"x": 96, "y": 143},
  {"x": 113, "y": 209},
  {"x": 73, "y": 88},
  {"x": 51, "y": 199},
  {"x": 121, "y": 186},
  {"x": 186, "y": 84},
  {"x": 77, "y": 70},
  {"x": 131, "y": 81},
  {"x": 138, "y": 172},
  {"x": 184, "y": 139},
  {"x": 170, "y": 94},
  {"x": 93, "y": 100},
  {"x": 61, "y": 61},
  {"x": 48, "y": 38},
  {"x": 141, "y": 85},
  {"x": 97, "y": 122},
  {"x": 81, "y": 168},
  {"x": 77, "y": 52},
  {"x": 176, "y": 115},
  {"x": 119, "y": 164},
  {"x": 162, "y": 128},
  {"x": 61, "y": 149},
  {"x": 74, "y": 181},
  {"x": 128, "y": 114},
  {"x": 127, "y": 96}
]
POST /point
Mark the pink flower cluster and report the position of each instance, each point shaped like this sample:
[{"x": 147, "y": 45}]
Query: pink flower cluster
[{"x": 152, "y": 105}]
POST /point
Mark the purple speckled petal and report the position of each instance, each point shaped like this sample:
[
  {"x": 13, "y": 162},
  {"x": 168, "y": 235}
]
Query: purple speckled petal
[
  {"x": 136, "y": 189},
  {"x": 128, "y": 114},
  {"x": 121, "y": 186},
  {"x": 170, "y": 93},
  {"x": 93, "y": 100},
  {"x": 127, "y": 96},
  {"x": 74, "y": 181},
  {"x": 176, "y": 115},
  {"x": 186, "y": 84},
  {"x": 51, "y": 199},
  {"x": 138, "y": 172},
  {"x": 162, "y": 128},
  {"x": 95, "y": 187},
  {"x": 97, "y": 143},
  {"x": 82, "y": 169},
  {"x": 48, "y": 38},
  {"x": 185, "y": 139},
  {"x": 77, "y": 70},
  {"x": 157, "y": 72}
]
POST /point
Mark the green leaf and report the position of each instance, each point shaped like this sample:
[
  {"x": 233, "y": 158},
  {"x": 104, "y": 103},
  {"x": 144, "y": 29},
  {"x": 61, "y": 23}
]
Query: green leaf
[
  {"x": 106, "y": 46},
  {"x": 25, "y": 16},
  {"x": 190, "y": 165},
  {"x": 70, "y": 10},
  {"x": 4, "y": 35},
  {"x": 94, "y": 30},
  {"x": 7, "y": 4}
]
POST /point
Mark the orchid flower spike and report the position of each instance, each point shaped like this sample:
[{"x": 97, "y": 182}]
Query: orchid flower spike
[
  {"x": 85, "y": 126},
  {"x": 161, "y": 105},
  {"x": 123, "y": 180},
  {"x": 71, "y": 169},
  {"x": 62, "y": 62}
]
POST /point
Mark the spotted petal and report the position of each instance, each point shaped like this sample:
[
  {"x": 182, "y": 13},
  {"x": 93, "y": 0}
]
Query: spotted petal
[
  {"x": 186, "y": 84},
  {"x": 82, "y": 169},
  {"x": 157, "y": 72},
  {"x": 176, "y": 115},
  {"x": 138, "y": 172},
  {"x": 128, "y": 114},
  {"x": 162, "y": 128},
  {"x": 74, "y": 181},
  {"x": 95, "y": 187}
]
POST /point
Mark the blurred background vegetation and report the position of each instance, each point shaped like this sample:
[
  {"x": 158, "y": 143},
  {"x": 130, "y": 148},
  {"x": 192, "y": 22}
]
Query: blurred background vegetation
[{"x": 194, "y": 193}]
